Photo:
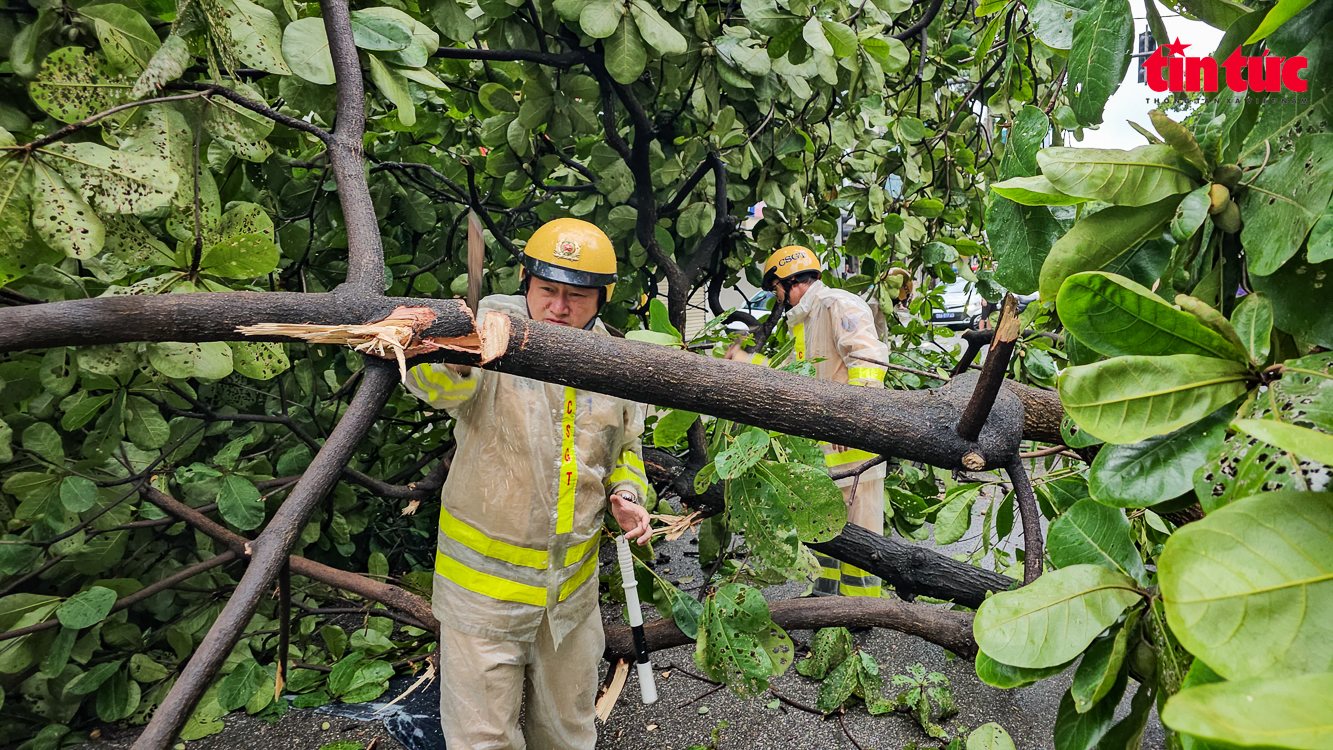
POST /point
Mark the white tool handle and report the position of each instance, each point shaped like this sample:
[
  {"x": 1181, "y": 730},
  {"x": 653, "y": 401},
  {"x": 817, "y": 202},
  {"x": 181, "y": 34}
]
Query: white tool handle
[{"x": 647, "y": 680}]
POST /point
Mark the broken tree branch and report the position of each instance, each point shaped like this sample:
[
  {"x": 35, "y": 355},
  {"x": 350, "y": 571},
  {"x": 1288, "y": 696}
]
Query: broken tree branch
[
  {"x": 992, "y": 373},
  {"x": 1034, "y": 547}
]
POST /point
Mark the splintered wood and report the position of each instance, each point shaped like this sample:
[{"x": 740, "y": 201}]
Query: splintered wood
[
  {"x": 612, "y": 694},
  {"x": 398, "y": 335}
]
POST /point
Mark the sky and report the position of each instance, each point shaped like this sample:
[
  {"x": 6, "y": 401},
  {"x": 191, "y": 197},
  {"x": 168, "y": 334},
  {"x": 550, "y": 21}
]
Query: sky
[{"x": 1130, "y": 101}]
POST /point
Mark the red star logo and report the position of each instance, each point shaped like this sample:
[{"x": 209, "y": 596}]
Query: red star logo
[{"x": 1177, "y": 48}]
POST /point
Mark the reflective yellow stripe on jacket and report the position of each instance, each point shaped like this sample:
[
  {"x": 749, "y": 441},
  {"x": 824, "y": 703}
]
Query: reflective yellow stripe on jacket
[
  {"x": 798, "y": 339},
  {"x": 851, "y": 455},
  {"x": 569, "y": 466},
  {"x": 498, "y": 587},
  {"x": 630, "y": 469},
  {"x": 865, "y": 374}
]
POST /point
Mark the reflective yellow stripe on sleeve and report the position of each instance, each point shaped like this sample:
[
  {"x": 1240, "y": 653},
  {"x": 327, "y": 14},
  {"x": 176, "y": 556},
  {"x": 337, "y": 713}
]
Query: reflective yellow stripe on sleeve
[
  {"x": 488, "y": 585},
  {"x": 572, "y": 585},
  {"x": 577, "y": 552},
  {"x": 758, "y": 359},
  {"x": 440, "y": 387},
  {"x": 848, "y": 456},
  {"x": 493, "y": 548},
  {"x": 569, "y": 467},
  {"x": 798, "y": 339},
  {"x": 866, "y": 373}
]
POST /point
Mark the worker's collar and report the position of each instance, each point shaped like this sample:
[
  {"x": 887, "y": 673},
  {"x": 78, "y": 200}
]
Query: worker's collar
[{"x": 799, "y": 312}]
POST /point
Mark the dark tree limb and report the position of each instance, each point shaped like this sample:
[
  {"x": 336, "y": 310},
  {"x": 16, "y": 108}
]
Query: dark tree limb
[
  {"x": 947, "y": 628},
  {"x": 269, "y": 554},
  {"x": 992, "y": 373},
  {"x": 1034, "y": 547},
  {"x": 254, "y": 106},
  {"x": 926, "y": 19},
  {"x": 562, "y": 60}
]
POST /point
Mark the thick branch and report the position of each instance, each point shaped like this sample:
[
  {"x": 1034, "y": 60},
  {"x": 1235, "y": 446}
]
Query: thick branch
[
  {"x": 723, "y": 223},
  {"x": 992, "y": 373},
  {"x": 1034, "y": 547},
  {"x": 952, "y": 630},
  {"x": 926, "y": 19},
  {"x": 270, "y": 551}
]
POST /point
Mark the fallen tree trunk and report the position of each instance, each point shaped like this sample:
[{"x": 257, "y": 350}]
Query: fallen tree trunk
[{"x": 947, "y": 628}]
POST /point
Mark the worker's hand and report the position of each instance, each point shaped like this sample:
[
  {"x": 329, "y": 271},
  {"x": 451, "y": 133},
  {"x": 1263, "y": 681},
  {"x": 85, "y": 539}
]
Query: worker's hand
[{"x": 631, "y": 516}]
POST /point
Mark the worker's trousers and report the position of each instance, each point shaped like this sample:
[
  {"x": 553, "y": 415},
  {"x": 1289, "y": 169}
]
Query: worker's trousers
[
  {"x": 483, "y": 682},
  {"x": 865, "y": 509}
]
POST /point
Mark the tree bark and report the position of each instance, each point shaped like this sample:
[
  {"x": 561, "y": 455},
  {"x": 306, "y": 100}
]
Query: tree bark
[{"x": 947, "y": 628}]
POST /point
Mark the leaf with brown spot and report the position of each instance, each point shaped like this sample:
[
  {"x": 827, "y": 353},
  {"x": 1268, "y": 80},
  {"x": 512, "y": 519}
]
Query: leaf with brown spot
[
  {"x": 240, "y": 130},
  {"x": 128, "y": 41},
  {"x": 116, "y": 181},
  {"x": 74, "y": 84},
  {"x": 61, "y": 217},
  {"x": 167, "y": 64}
]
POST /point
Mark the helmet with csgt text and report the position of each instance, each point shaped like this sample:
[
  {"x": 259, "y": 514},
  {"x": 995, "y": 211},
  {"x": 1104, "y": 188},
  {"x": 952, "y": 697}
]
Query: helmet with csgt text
[
  {"x": 572, "y": 251},
  {"x": 786, "y": 262}
]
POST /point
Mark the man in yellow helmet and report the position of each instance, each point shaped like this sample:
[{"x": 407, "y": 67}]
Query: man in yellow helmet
[
  {"x": 835, "y": 329},
  {"x": 515, "y": 586}
]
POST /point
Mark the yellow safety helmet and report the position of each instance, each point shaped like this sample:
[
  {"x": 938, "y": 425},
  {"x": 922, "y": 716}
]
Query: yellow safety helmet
[
  {"x": 786, "y": 262},
  {"x": 572, "y": 251}
]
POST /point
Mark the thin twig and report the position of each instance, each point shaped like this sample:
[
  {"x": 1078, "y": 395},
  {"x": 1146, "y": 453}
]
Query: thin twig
[{"x": 70, "y": 128}]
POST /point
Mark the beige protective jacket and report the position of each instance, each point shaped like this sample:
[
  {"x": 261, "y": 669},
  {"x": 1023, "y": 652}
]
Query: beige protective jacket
[
  {"x": 837, "y": 327},
  {"x": 521, "y": 510}
]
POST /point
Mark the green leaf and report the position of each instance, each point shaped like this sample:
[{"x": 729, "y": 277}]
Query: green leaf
[
  {"x": 128, "y": 41},
  {"x": 259, "y": 360},
  {"x": 240, "y": 504},
  {"x": 1099, "y": 57},
  {"x": 838, "y": 686},
  {"x": 601, "y": 18},
  {"x": 238, "y": 129},
  {"x": 497, "y": 98},
  {"x": 1085, "y": 731},
  {"x": 379, "y": 33},
  {"x": 656, "y": 31},
  {"x": 1128, "y": 399},
  {"x": 811, "y": 499},
  {"x": 57, "y": 657},
  {"x": 42, "y": 439},
  {"x": 117, "y": 698},
  {"x": 1138, "y": 475},
  {"x": 1282, "y": 205},
  {"x": 86, "y": 608},
  {"x": 1285, "y": 713},
  {"x": 394, "y": 87},
  {"x": 243, "y": 256},
  {"x": 1054, "y": 618},
  {"x": 1100, "y": 666},
  {"x": 167, "y": 64},
  {"x": 116, "y": 181},
  {"x": 129, "y": 241},
  {"x": 1139, "y": 177},
  {"x": 237, "y": 688},
  {"x": 1190, "y": 214},
  {"x": 828, "y": 648},
  {"x": 1291, "y": 288},
  {"x": 210, "y": 360},
  {"x": 74, "y": 85},
  {"x": 1302, "y": 441},
  {"x": 989, "y": 736},
  {"x": 1022, "y": 237},
  {"x": 144, "y": 669},
  {"x": 1279, "y": 14},
  {"x": 424, "y": 40},
  {"x": 1253, "y": 322},
  {"x": 1180, "y": 140},
  {"x": 452, "y": 20},
  {"x": 746, "y": 451},
  {"x": 305, "y": 46},
  {"x": 1117, "y": 317},
  {"x": 1249, "y": 589},
  {"x": 955, "y": 518},
  {"x": 1053, "y": 20},
  {"x": 1102, "y": 240},
  {"x": 999, "y": 675},
  {"x": 77, "y": 494},
  {"x": 625, "y": 55},
  {"x": 255, "y": 34},
  {"x": 144, "y": 425},
  {"x": 1092, "y": 533},
  {"x": 840, "y": 37},
  {"x": 1034, "y": 191},
  {"x": 62, "y": 219},
  {"x": 672, "y": 426}
]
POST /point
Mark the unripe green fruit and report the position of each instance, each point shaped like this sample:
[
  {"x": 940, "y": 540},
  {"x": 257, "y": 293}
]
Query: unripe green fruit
[
  {"x": 1229, "y": 220},
  {"x": 1228, "y": 174},
  {"x": 1219, "y": 197}
]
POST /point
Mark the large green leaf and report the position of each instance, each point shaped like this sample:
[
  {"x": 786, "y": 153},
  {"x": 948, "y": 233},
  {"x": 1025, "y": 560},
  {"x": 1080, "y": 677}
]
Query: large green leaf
[
  {"x": 1090, "y": 533},
  {"x": 1051, "y": 620},
  {"x": 1282, "y": 205},
  {"x": 1137, "y": 475},
  {"x": 379, "y": 33},
  {"x": 745, "y": 451},
  {"x": 1053, "y": 20},
  {"x": 1139, "y": 177},
  {"x": 242, "y": 256},
  {"x": 1249, "y": 589},
  {"x": 811, "y": 499},
  {"x": 62, "y": 218},
  {"x": 167, "y": 64},
  {"x": 394, "y": 88},
  {"x": 955, "y": 518},
  {"x": 655, "y": 30},
  {"x": 238, "y": 129},
  {"x": 116, "y": 181},
  {"x": 74, "y": 85},
  {"x": 1103, "y": 240},
  {"x": 1034, "y": 191},
  {"x": 600, "y": 18},
  {"x": 1118, "y": 317},
  {"x": 240, "y": 503},
  {"x": 1297, "y": 440},
  {"x": 1280, "y": 116},
  {"x": 990, "y": 736},
  {"x": 1100, "y": 666},
  {"x": 1084, "y": 731},
  {"x": 999, "y": 675},
  {"x": 1128, "y": 399},
  {"x": 1022, "y": 237},
  {"x": 1291, "y": 288},
  {"x": 1099, "y": 57},
  {"x": 128, "y": 41},
  {"x": 86, "y": 608},
  {"x": 626, "y": 56},
  {"x": 210, "y": 360},
  {"x": 1287, "y": 713},
  {"x": 424, "y": 40},
  {"x": 255, "y": 34},
  {"x": 1253, "y": 322},
  {"x": 259, "y": 360},
  {"x": 305, "y": 46}
]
